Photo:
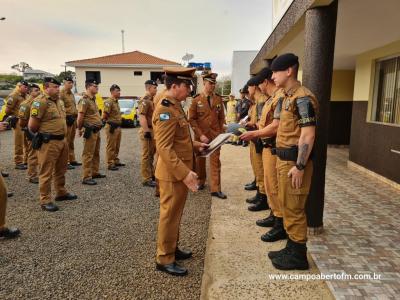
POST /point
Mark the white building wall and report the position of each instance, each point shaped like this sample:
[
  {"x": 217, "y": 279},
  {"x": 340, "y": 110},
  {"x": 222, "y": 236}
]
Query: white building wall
[
  {"x": 241, "y": 61},
  {"x": 130, "y": 85}
]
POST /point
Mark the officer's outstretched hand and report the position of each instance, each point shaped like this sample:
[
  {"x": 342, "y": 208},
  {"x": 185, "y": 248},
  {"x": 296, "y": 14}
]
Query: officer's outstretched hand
[
  {"x": 247, "y": 136},
  {"x": 191, "y": 181},
  {"x": 297, "y": 177}
]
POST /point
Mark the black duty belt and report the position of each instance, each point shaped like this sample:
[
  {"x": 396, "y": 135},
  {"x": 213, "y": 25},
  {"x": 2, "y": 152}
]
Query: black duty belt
[
  {"x": 287, "y": 154},
  {"x": 56, "y": 137}
]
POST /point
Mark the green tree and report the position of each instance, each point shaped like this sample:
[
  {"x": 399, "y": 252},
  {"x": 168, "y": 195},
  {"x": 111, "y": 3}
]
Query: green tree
[{"x": 64, "y": 75}]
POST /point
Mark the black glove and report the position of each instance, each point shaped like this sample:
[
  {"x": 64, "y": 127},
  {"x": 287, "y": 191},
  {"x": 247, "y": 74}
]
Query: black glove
[{"x": 147, "y": 135}]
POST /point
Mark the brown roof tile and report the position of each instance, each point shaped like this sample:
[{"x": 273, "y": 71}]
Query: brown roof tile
[{"x": 129, "y": 58}]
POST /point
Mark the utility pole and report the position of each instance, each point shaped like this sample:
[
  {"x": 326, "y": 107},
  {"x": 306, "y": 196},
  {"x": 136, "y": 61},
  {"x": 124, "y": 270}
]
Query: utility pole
[{"x": 123, "y": 41}]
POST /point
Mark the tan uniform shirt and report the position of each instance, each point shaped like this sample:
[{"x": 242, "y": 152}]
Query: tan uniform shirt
[
  {"x": 25, "y": 108},
  {"x": 51, "y": 113},
  {"x": 146, "y": 108},
  {"x": 159, "y": 96},
  {"x": 290, "y": 123},
  {"x": 173, "y": 141},
  {"x": 207, "y": 119},
  {"x": 69, "y": 102},
  {"x": 111, "y": 107},
  {"x": 267, "y": 114},
  {"x": 89, "y": 108},
  {"x": 13, "y": 101}
]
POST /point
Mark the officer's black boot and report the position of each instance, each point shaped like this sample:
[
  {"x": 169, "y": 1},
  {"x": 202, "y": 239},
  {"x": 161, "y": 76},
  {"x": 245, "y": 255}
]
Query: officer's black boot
[
  {"x": 276, "y": 233},
  {"x": 275, "y": 254},
  {"x": 261, "y": 204},
  {"x": 293, "y": 259},
  {"x": 267, "y": 222},
  {"x": 251, "y": 186},
  {"x": 254, "y": 199}
]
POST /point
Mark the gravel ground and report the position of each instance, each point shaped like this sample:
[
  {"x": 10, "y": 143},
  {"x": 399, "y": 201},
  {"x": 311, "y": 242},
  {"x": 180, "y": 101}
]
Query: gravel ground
[{"x": 102, "y": 245}]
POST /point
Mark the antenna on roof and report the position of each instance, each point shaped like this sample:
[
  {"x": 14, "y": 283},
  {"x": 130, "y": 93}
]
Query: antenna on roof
[{"x": 123, "y": 40}]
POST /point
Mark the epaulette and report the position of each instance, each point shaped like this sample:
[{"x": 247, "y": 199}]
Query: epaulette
[{"x": 165, "y": 102}]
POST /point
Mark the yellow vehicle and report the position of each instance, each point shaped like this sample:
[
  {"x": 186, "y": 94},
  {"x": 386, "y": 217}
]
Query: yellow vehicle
[
  {"x": 128, "y": 109},
  {"x": 100, "y": 103},
  {"x": 2, "y": 109}
]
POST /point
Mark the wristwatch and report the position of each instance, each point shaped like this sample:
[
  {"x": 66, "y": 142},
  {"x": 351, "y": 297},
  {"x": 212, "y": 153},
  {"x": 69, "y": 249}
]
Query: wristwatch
[{"x": 300, "y": 167}]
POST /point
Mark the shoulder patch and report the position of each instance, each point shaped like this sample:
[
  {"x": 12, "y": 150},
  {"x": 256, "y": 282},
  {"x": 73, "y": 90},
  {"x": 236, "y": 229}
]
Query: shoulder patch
[
  {"x": 34, "y": 112},
  {"x": 165, "y": 102},
  {"x": 165, "y": 116},
  {"x": 36, "y": 104}
]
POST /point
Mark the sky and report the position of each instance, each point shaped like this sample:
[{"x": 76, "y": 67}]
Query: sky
[{"x": 46, "y": 33}]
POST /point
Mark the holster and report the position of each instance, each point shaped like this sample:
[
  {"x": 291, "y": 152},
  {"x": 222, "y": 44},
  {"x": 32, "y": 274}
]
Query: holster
[
  {"x": 113, "y": 126},
  {"x": 12, "y": 121},
  {"x": 259, "y": 146},
  {"x": 37, "y": 141},
  {"x": 70, "y": 120},
  {"x": 27, "y": 133},
  {"x": 288, "y": 154},
  {"x": 88, "y": 132},
  {"x": 269, "y": 142}
]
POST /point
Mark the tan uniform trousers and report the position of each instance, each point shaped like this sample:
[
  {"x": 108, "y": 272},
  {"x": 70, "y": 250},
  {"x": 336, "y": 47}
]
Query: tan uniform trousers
[
  {"x": 215, "y": 171},
  {"x": 157, "y": 192},
  {"x": 172, "y": 201},
  {"x": 3, "y": 202},
  {"x": 91, "y": 155},
  {"x": 257, "y": 165},
  {"x": 53, "y": 160},
  {"x": 26, "y": 150},
  {"x": 113, "y": 144},
  {"x": 271, "y": 181},
  {"x": 148, "y": 150},
  {"x": 32, "y": 160},
  {"x": 18, "y": 145},
  {"x": 294, "y": 200},
  {"x": 71, "y": 132}
]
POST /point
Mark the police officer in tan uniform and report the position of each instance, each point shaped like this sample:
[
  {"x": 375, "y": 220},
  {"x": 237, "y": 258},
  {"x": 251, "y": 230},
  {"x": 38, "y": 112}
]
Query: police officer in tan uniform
[
  {"x": 112, "y": 118},
  {"x": 207, "y": 118},
  {"x": 89, "y": 125},
  {"x": 174, "y": 167},
  {"x": 157, "y": 98},
  {"x": 68, "y": 98},
  {"x": 5, "y": 232},
  {"x": 14, "y": 100},
  {"x": 268, "y": 126},
  {"x": 146, "y": 108},
  {"x": 294, "y": 142},
  {"x": 47, "y": 123},
  {"x": 259, "y": 201},
  {"x": 23, "y": 115}
]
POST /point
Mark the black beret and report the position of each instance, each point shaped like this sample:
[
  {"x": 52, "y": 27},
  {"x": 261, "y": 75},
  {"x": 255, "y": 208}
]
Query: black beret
[
  {"x": 245, "y": 89},
  {"x": 91, "y": 81},
  {"x": 69, "y": 78},
  {"x": 114, "y": 87},
  {"x": 34, "y": 85},
  {"x": 264, "y": 74},
  {"x": 51, "y": 80},
  {"x": 284, "y": 62},
  {"x": 253, "y": 81},
  {"x": 24, "y": 82},
  {"x": 152, "y": 82}
]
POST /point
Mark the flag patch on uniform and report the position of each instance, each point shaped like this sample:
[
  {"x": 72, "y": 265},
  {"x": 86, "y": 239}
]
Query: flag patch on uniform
[
  {"x": 164, "y": 117},
  {"x": 36, "y": 104}
]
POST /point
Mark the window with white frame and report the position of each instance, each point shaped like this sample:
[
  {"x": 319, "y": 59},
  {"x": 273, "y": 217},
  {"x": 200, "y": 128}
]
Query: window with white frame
[{"x": 386, "y": 96}]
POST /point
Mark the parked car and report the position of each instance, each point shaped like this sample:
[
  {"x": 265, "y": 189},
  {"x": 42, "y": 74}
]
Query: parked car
[
  {"x": 2, "y": 109},
  {"x": 128, "y": 108}
]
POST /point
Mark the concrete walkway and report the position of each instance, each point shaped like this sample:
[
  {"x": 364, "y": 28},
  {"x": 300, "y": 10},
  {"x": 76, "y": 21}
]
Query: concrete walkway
[{"x": 236, "y": 265}]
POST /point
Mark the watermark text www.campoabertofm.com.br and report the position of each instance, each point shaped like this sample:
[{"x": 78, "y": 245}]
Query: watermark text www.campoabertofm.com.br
[{"x": 326, "y": 276}]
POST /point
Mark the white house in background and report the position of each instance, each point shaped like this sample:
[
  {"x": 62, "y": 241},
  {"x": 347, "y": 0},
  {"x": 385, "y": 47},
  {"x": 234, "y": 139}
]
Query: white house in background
[
  {"x": 129, "y": 70},
  {"x": 28, "y": 74},
  {"x": 241, "y": 61}
]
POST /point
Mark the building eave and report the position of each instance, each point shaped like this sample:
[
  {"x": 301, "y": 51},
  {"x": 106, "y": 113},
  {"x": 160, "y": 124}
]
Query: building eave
[
  {"x": 291, "y": 17},
  {"x": 138, "y": 66}
]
